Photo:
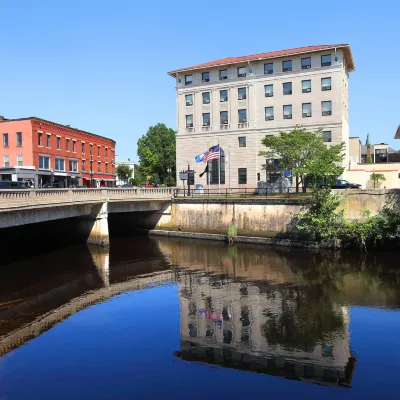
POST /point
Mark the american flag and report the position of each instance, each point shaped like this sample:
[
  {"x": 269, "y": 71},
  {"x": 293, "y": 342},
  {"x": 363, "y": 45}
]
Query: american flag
[{"x": 212, "y": 154}]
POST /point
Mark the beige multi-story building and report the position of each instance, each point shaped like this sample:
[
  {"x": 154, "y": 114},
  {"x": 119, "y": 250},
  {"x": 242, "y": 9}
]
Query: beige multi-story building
[{"x": 236, "y": 102}]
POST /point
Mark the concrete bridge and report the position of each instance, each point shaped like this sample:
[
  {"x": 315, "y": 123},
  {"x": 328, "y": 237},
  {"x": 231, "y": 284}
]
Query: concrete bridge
[{"x": 26, "y": 206}]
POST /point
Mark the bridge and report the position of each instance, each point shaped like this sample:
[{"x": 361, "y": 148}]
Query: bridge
[{"x": 29, "y": 206}]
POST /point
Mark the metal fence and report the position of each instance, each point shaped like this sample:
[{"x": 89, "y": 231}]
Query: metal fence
[{"x": 240, "y": 192}]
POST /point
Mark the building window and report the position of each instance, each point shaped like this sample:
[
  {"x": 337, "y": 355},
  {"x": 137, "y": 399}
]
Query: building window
[
  {"x": 381, "y": 155},
  {"x": 6, "y": 160},
  {"x": 242, "y": 116},
  {"x": 206, "y": 119},
  {"x": 73, "y": 166},
  {"x": 188, "y": 79},
  {"x": 67, "y": 144},
  {"x": 206, "y": 97},
  {"x": 242, "y": 93},
  {"x": 287, "y": 65},
  {"x": 242, "y": 141},
  {"x": 224, "y": 117},
  {"x": 242, "y": 176},
  {"x": 326, "y": 107},
  {"x": 44, "y": 162},
  {"x": 306, "y": 86},
  {"x": 269, "y": 113},
  {"x": 306, "y": 63},
  {"x": 287, "y": 111},
  {"x": 327, "y": 135},
  {"x": 268, "y": 68},
  {"x": 58, "y": 143},
  {"x": 98, "y": 151},
  {"x": 19, "y": 139},
  {"x": 269, "y": 90},
  {"x": 213, "y": 168},
  {"x": 223, "y": 74},
  {"x": 48, "y": 141},
  {"x": 287, "y": 88},
  {"x": 83, "y": 147},
  {"x": 40, "y": 139},
  {"x": 326, "y": 84},
  {"x": 306, "y": 110},
  {"x": 223, "y": 95},
  {"x": 258, "y": 177},
  {"x": 83, "y": 165},
  {"x": 326, "y": 60},
  {"x": 90, "y": 149},
  {"x": 59, "y": 164},
  {"x": 205, "y": 77},
  {"x": 74, "y": 146},
  {"x": 241, "y": 72},
  {"x": 19, "y": 160},
  {"x": 106, "y": 168},
  {"x": 5, "y": 139},
  {"x": 189, "y": 100},
  {"x": 189, "y": 121},
  {"x": 106, "y": 152},
  {"x": 99, "y": 166}
]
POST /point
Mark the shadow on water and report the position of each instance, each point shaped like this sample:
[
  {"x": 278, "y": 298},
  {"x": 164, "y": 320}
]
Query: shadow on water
[{"x": 280, "y": 312}]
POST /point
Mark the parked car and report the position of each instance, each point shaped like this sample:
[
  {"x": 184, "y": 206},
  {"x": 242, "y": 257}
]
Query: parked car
[
  {"x": 12, "y": 185},
  {"x": 51, "y": 186},
  {"x": 148, "y": 186},
  {"x": 127, "y": 185},
  {"x": 342, "y": 184}
]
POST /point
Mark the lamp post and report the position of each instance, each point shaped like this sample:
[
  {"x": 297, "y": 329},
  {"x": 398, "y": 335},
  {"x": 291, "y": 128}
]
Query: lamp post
[
  {"x": 91, "y": 170},
  {"x": 169, "y": 170}
]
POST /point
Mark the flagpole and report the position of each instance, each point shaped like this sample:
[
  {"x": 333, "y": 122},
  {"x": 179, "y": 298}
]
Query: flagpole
[
  {"x": 208, "y": 172},
  {"x": 219, "y": 168},
  {"x": 229, "y": 166}
]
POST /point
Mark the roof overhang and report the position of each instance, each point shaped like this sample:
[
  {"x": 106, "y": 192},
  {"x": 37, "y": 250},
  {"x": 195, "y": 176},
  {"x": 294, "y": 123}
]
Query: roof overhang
[
  {"x": 268, "y": 56},
  {"x": 397, "y": 134}
]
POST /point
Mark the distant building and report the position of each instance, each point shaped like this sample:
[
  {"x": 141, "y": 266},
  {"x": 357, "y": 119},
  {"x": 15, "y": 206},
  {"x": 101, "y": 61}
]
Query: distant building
[
  {"x": 42, "y": 152},
  {"x": 130, "y": 164},
  {"x": 237, "y": 101}
]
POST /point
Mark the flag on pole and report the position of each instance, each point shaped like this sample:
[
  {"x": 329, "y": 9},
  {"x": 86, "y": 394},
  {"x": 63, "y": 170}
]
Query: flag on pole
[
  {"x": 200, "y": 157},
  {"x": 212, "y": 154}
]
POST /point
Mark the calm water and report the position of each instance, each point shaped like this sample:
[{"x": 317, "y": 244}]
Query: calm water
[{"x": 168, "y": 318}]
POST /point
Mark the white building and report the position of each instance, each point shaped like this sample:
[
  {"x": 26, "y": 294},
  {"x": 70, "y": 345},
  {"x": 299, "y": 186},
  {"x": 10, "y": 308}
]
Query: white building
[
  {"x": 130, "y": 164},
  {"x": 237, "y": 101}
]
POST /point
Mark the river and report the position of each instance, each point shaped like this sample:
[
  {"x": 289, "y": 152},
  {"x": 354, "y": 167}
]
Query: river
[{"x": 175, "y": 318}]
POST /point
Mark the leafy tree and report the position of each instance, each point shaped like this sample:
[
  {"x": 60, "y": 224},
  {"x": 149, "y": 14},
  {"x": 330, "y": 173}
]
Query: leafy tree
[
  {"x": 138, "y": 178},
  {"x": 305, "y": 154},
  {"x": 377, "y": 179},
  {"x": 124, "y": 172},
  {"x": 156, "y": 151}
]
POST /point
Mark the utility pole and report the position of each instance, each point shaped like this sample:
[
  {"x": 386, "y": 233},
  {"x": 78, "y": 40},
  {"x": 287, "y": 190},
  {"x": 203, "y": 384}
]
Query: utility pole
[{"x": 91, "y": 167}]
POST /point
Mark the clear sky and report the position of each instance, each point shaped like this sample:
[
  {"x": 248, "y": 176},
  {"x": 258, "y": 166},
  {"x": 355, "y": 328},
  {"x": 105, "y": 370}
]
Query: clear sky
[{"x": 102, "y": 66}]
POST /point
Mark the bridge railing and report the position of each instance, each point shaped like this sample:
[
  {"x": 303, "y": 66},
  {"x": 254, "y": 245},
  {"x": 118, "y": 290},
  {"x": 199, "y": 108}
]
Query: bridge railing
[{"x": 10, "y": 198}]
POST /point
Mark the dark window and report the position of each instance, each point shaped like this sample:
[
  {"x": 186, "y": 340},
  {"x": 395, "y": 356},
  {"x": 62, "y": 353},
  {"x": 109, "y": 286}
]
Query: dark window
[
  {"x": 268, "y": 68},
  {"x": 189, "y": 121},
  {"x": 19, "y": 138},
  {"x": 83, "y": 148},
  {"x": 106, "y": 168},
  {"x": 98, "y": 151},
  {"x": 205, "y": 77},
  {"x": 188, "y": 79},
  {"x": 327, "y": 136},
  {"x": 242, "y": 116},
  {"x": 223, "y": 95},
  {"x": 326, "y": 107},
  {"x": 269, "y": 90},
  {"x": 40, "y": 139},
  {"x": 242, "y": 93},
  {"x": 258, "y": 177},
  {"x": 241, "y": 72},
  {"x": 73, "y": 165},
  {"x": 326, "y": 84},
  {"x": 90, "y": 149},
  {"x": 106, "y": 152},
  {"x": 58, "y": 143},
  {"x": 287, "y": 65},
  {"x": 242, "y": 141},
  {"x": 224, "y": 117},
  {"x": 381, "y": 155},
  {"x": 59, "y": 164},
  {"x": 99, "y": 166},
  {"x": 48, "y": 140},
  {"x": 326, "y": 60},
  {"x": 212, "y": 175},
  {"x": 287, "y": 88},
  {"x": 287, "y": 112},
  {"x": 189, "y": 100},
  {"x": 74, "y": 146},
  {"x": 306, "y": 63},
  {"x": 242, "y": 176},
  {"x": 83, "y": 165},
  {"x": 306, "y": 86},
  {"x": 206, "y": 97},
  {"x": 5, "y": 139},
  {"x": 44, "y": 162},
  {"x": 306, "y": 110},
  {"x": 223, "y": 74},
  {"x": 206, "y": 119},
  {"x": 269, "y": 113}
]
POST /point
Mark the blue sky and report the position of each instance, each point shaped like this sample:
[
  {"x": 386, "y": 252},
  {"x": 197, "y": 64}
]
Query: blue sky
[{"x": 102, "y": 65}]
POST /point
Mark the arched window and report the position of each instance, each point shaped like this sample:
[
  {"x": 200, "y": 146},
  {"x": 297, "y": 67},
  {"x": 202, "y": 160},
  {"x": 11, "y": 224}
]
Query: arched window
[{"x": 213, "y": 170}]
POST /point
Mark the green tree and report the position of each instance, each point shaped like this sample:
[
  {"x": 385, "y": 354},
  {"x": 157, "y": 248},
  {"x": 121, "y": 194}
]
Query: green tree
[
  {"x": 138, "y": 177},
  {"x": 124, "y": 172},
  {"x": 157, "y": 153},
  {"x": 305, "y": 154},
  {"x": 377, "y": 179}
]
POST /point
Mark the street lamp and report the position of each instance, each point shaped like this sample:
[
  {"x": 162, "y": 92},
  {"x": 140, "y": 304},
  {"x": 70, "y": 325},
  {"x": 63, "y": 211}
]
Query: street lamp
[
  {"x": 91, "y": 169},
  {"x": 169, "y": 170}
]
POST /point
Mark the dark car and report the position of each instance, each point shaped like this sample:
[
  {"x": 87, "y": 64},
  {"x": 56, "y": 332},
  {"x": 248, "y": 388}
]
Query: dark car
[
  {"x": 127, "y": 185},
  {"x": 51, "y": 186},
  {"x": 12, "y": 185},
  {"x": 342, "y": 184}
]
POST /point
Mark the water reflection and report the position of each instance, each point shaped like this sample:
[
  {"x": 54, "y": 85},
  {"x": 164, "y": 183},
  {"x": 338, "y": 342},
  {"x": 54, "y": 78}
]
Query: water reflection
[{"x": 280, "y": 312}]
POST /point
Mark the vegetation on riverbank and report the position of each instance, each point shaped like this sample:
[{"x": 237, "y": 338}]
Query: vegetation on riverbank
[{"x": 324, "y": 222}]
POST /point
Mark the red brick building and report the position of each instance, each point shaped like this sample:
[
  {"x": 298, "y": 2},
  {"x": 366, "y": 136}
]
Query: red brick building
[{"x": 46, "y": 152}]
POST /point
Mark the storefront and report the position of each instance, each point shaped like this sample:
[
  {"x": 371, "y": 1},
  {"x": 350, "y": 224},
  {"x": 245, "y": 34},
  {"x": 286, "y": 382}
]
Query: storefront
[
  {"x": 15, "y": 174},
  {"x": 99, "y": 180}
]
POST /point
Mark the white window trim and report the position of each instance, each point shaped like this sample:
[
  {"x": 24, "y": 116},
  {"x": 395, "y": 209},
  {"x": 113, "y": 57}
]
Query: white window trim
[
  {"x": 45, "y": 156},
  {"x": 59, "y": 158}
]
